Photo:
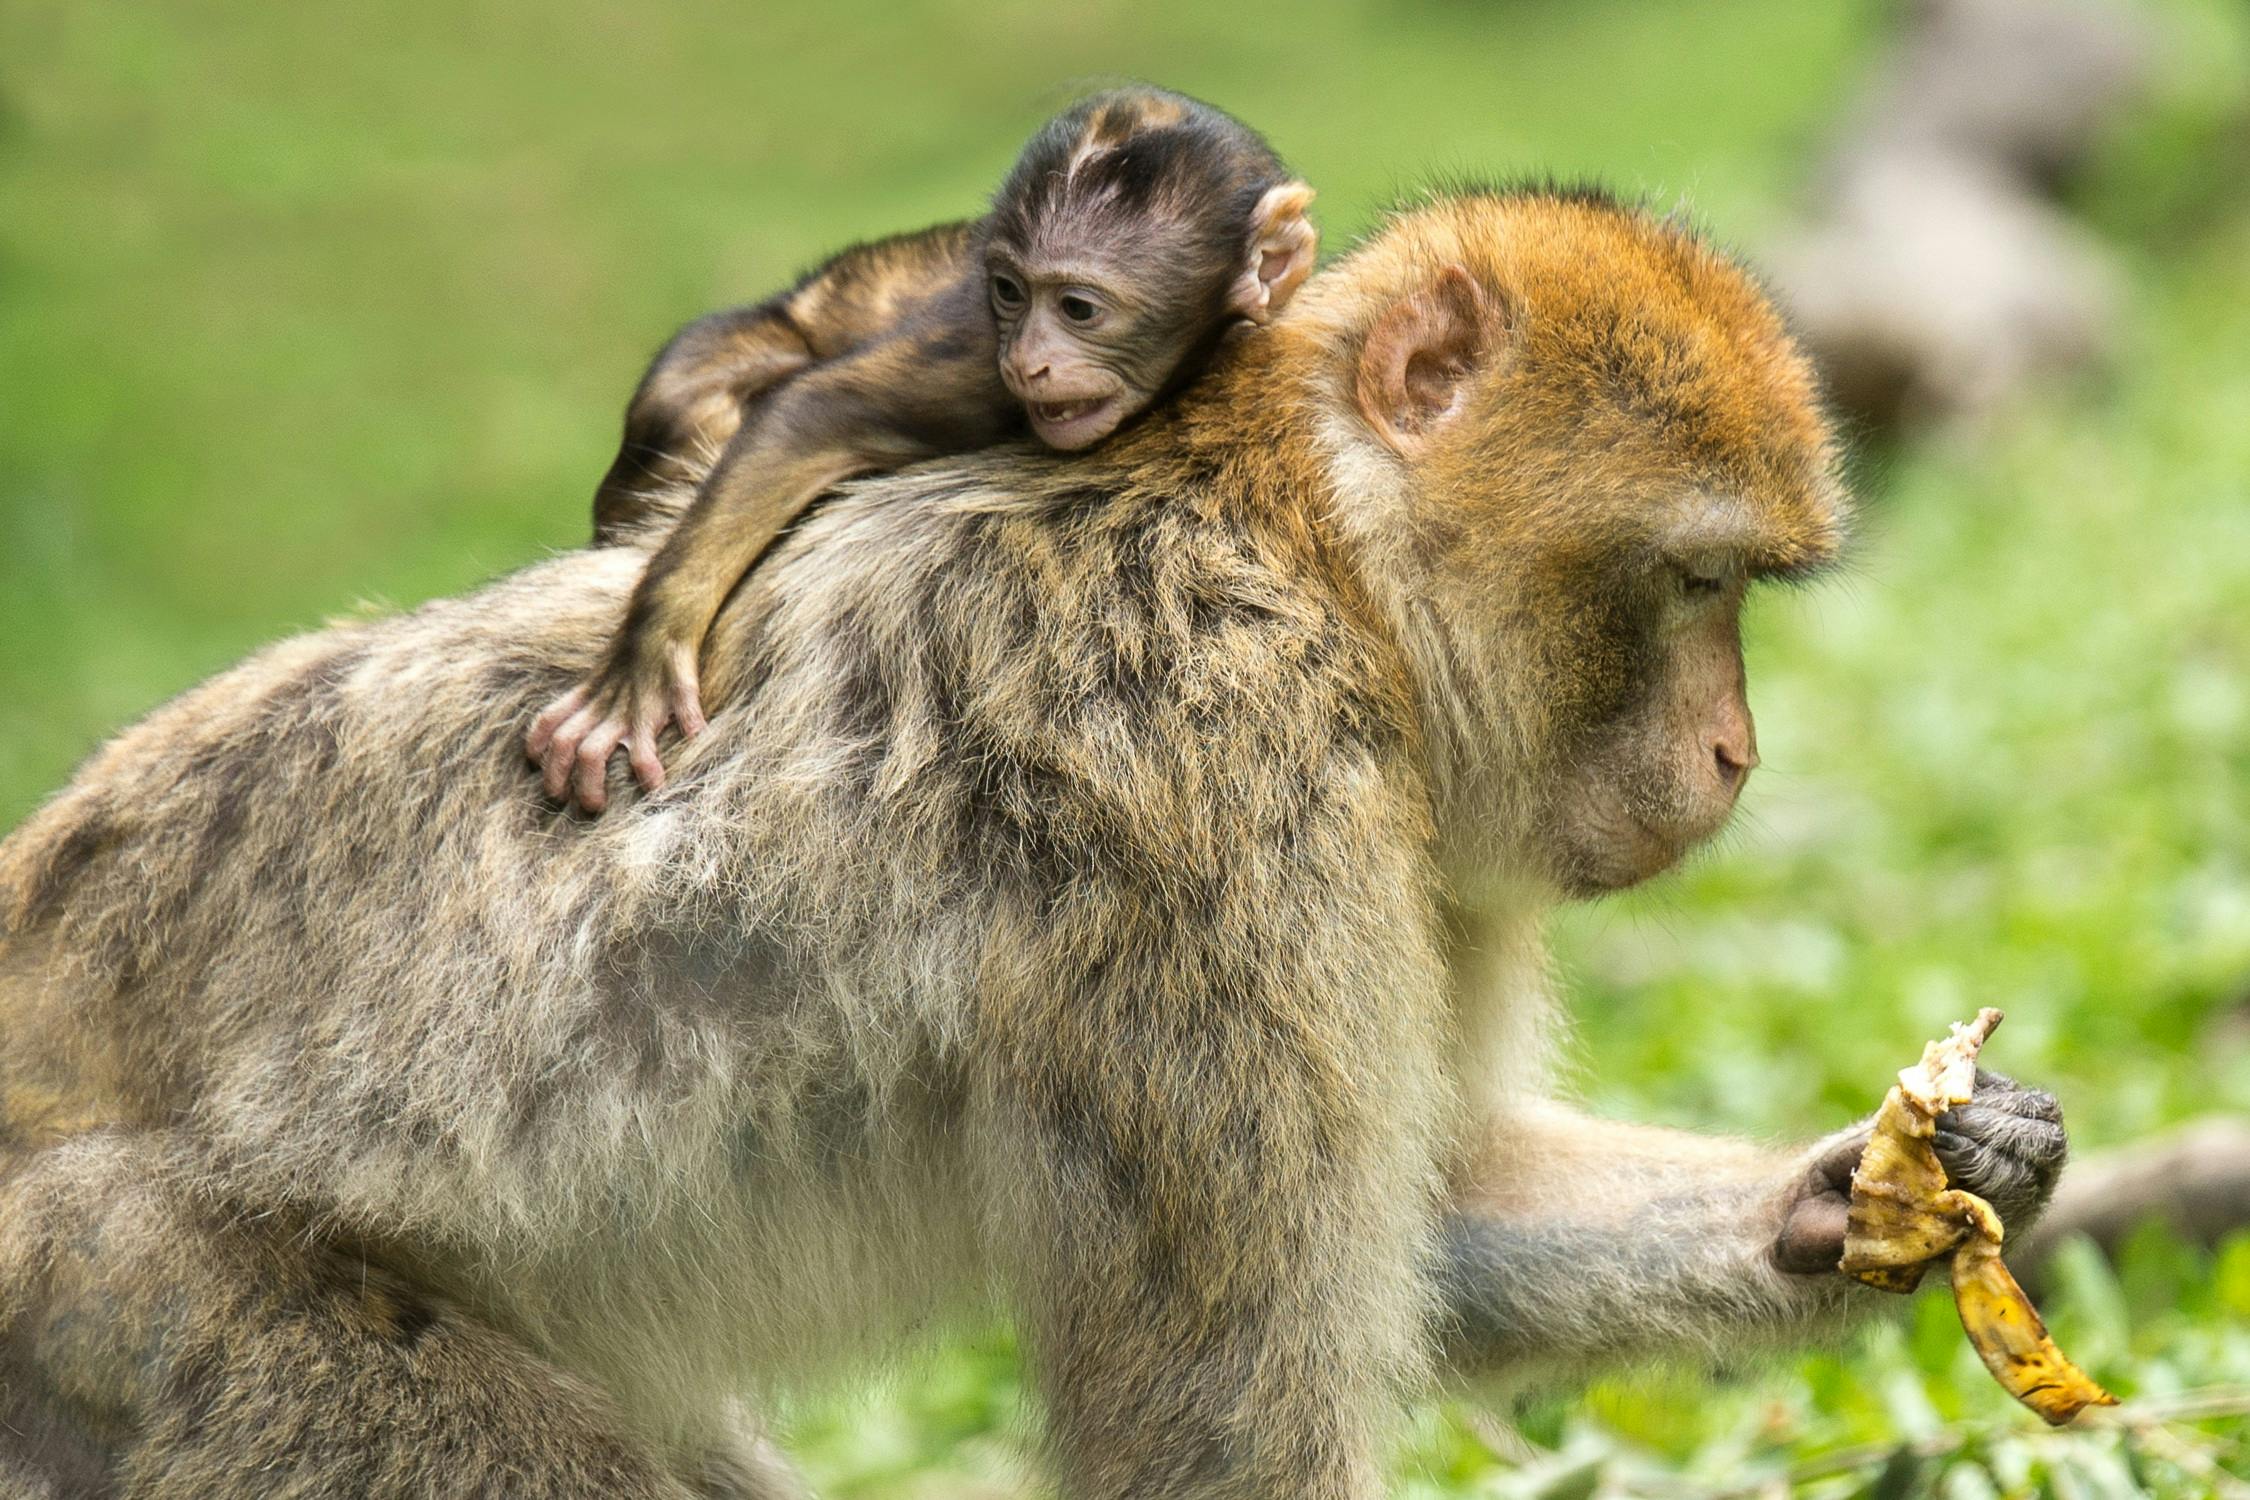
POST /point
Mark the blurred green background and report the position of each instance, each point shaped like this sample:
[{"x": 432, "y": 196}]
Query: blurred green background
[{"x": 303, "y": 307}]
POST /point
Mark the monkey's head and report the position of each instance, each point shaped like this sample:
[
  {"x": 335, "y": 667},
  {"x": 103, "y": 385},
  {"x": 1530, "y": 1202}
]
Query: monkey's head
[
  {"x": 1133, "y": 231},
  {"x": 1575, "y": 438}
]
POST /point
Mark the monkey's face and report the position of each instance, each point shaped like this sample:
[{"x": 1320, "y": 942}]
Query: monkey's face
[
  {"x": 1655, "y": 734},
  {"x": 1595, "y": 488},
  {"x": 1081, "y": 346}
]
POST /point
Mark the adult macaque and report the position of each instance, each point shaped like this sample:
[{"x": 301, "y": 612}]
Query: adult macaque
[
  {"x": 1111, "y": 886},
  {"x": 1134, "y": 230}
]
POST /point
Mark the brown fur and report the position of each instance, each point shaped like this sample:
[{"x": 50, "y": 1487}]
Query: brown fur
[{"x": 1109, "y": 890}]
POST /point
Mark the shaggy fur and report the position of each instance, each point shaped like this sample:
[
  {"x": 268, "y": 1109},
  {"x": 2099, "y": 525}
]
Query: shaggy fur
[{"x": 1108, "y": 891}]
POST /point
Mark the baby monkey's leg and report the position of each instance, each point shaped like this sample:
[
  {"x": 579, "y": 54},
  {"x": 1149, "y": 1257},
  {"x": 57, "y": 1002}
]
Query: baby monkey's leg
[
  {"x": 872, "y": 410},
  {"x": 703, "y": 385},
  {"x": 690, "y": 404}
]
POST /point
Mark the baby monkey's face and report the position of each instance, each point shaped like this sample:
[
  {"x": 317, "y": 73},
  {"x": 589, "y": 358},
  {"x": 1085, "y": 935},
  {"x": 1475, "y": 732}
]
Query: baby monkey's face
[
  {"x": 1088, "y": 338},
  {"x": 1081, "y": 346}
]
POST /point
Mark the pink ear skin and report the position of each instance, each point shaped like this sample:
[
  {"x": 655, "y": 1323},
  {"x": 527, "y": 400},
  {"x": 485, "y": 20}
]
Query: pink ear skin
[
  {"x": 1283, "y": 243},
  {"x": 1420, "y": 356}
]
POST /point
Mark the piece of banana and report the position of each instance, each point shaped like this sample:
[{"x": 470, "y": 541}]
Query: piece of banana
[{"x": 1903, "y": 1216}]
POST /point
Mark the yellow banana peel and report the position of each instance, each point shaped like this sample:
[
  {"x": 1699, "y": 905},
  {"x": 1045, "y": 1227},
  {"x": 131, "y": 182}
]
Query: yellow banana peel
[{"x": 1904, "y": 1216}]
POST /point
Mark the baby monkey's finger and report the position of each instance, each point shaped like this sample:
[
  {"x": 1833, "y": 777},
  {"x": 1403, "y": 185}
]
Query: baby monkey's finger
[
  {"x": 640, "y": 753},
  {"x": 591, "y": 781},
  {"x": 687, "y": 707},
  {"x": 684, "y": 690},
  {"x": 550, "y": 719},
  {"x": 562, "y": 751}
]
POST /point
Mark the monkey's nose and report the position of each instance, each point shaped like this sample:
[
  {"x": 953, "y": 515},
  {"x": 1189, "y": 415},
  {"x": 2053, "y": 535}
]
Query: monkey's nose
[{"x": 1735, "y": 759}]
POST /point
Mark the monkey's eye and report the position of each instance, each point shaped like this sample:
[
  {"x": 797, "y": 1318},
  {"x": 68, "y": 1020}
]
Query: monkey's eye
[
  {"x": 1078, "y": 309},
  {"x": 1696, "y": 585},
  {"x": 1007, "y": 292}
]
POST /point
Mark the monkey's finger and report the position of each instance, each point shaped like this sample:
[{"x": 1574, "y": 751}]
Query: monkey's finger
[
  {"x": 551, "y": 719},
  {"x": 591, "y": 781},
  {"x": 1811, "y": 1241},
  {"x": 562, "y": 755},
  {"x": 1999, "y": 1091},
  {"x": 1838, "y": 1157},
  {"x": 687, "y": 696},
  {"x": 640, "y": 753},
  {"x": 687, "y": 710},
  {"x": 562, "y": 752}
]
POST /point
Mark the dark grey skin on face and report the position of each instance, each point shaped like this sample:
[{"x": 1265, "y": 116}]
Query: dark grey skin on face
[{"x": 1134, "y": 230}]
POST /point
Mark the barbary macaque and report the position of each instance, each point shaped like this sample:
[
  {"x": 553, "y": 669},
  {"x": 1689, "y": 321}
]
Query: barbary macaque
[
  {"x": 1133, "y": 232},
  {"x": 1108, "y": 895}
]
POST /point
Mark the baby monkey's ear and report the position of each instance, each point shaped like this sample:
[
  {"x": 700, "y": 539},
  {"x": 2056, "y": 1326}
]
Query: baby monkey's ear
[{"x": 1282, "y": 242}]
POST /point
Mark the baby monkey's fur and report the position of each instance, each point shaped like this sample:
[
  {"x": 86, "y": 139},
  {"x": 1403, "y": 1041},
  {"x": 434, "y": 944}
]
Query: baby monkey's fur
[{"x": 1133, "y": 232}]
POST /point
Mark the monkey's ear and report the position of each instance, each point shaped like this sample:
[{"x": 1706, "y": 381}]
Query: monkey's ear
[
  {"x": 1421, "y": 355},
  {"x": 1282, "y": 245}
]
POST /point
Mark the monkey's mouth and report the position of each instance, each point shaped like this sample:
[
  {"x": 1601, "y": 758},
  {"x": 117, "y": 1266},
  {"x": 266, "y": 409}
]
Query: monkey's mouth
[{"x": 1074, "y": 424}]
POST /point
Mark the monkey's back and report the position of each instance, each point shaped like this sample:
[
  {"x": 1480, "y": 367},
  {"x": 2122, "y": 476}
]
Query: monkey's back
[{"x": 317, "y": 907}]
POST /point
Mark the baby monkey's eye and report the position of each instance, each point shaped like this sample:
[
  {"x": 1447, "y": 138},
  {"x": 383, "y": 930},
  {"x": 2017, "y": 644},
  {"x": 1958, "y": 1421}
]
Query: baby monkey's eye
[
  {"x": 1007, "y": 292},
  {"x": 1078, "y": 309},
  {"x": 1694, "y": 584}
]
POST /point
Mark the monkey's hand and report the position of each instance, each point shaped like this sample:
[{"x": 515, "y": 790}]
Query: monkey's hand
[
  {"x": 2006, "y": 1145},
  {"x": 648, "y": 682}
]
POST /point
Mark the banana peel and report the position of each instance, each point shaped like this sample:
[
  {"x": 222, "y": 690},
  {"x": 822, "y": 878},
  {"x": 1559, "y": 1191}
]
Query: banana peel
[{"x": 1904, "y": 1216}]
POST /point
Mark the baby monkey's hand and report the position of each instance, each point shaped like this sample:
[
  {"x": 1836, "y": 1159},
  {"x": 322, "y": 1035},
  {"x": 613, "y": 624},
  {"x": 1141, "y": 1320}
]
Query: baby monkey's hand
[{"x": 647, "y": 683}]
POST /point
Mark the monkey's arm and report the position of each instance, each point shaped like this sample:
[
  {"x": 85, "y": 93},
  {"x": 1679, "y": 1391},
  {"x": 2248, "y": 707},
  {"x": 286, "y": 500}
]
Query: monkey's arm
[
  {"x": 1576, "y": 1239},
  {"x": 702, "y": 385},
  {"x": 876, "y": 408},
  {"x": 1219, "y": 1141}
]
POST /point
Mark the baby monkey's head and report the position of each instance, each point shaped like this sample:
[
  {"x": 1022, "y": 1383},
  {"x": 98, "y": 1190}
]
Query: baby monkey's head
[{"x": 1132, "y": 232}]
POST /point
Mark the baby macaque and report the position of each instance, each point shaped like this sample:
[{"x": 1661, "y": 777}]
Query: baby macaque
[{"x": 1133, "y": 232}]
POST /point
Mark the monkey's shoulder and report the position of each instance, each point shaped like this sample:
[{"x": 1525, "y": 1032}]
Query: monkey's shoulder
[{"x": 1117, "y": 666}]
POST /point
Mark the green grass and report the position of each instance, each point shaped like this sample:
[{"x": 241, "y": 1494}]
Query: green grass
[{"x": 306, "y": 306}]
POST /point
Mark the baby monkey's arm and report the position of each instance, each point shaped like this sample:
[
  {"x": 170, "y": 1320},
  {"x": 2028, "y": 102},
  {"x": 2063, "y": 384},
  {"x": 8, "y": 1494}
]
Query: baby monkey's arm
[
  {"x": 704, "y": 383},
  {"x": 898, "y": 400}
]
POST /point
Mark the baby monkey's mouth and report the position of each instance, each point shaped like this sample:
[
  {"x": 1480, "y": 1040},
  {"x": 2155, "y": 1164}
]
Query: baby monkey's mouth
[
  {"x": 1074, "y": 424},
  {"x": 1064, "y": 411}
]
